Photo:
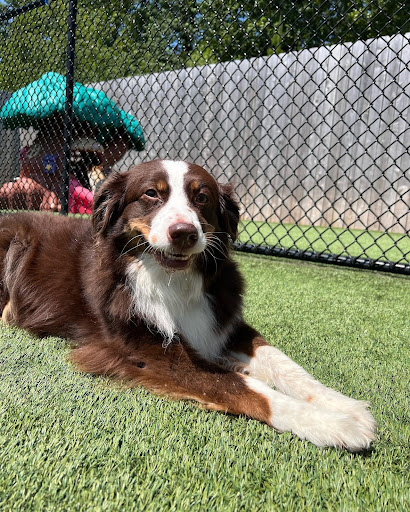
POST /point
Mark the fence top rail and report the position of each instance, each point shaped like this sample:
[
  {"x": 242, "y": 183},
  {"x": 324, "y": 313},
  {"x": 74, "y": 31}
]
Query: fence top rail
[{"x": 16, "y": 11}]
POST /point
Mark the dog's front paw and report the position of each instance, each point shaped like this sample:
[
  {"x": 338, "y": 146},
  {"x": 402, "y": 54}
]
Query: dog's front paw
[
  {"x": 358, "y": 410},
  {"x": 335, "y": 429},
  {"x": 353, "y": 434},
  {"x": 352, "y": 429},
  {"x": 332, "y": 400}
]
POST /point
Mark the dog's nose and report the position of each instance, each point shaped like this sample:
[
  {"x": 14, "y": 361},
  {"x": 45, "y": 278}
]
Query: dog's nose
[{"x": 183, "y": 235}]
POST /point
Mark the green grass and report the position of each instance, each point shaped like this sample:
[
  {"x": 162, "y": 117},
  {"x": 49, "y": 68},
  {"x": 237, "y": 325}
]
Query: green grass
[
  {"x": 374, "y": 245},
  {"x": 75, "y": 442}
]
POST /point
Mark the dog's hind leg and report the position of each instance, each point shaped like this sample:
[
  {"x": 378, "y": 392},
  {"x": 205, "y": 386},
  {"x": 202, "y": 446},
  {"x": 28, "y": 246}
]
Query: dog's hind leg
[
  {"x": 179, "y": 373},
  {"x": 6, "y": 315},
  {"x": 4, "y": 295},
  {"x": 268, "y": 364}
]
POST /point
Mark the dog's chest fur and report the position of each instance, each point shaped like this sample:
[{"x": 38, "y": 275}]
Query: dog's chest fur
[{"x": 174, "y": 304}]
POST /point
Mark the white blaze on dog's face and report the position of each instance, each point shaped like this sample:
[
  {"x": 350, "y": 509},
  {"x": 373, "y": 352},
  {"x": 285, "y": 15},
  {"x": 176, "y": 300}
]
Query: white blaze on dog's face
[{"x": 176, "y": 231}]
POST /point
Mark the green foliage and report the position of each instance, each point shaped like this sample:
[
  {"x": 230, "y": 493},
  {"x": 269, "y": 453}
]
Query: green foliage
[
  {"x": 32, "y": 44},
  {"x": 75, "y": 442},
  {"x": 128, "y": 37}
]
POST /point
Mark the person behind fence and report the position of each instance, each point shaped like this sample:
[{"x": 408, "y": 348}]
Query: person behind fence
[{"x": 39, "y": 185}]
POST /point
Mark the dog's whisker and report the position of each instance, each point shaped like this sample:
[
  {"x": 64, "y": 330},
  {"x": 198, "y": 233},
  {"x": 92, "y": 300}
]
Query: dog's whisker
[
  {"x": 129, "y": 250},
  {"x": 149, "y": 250},
  {"x": 212, "y": 236},
  {"x": 217, "y": 241},
  {"x": 207, "y": 252},
  {"x": 217, "y": 245},
  {"x": 129, "y": 241},
  {"x": 218, "y": 233},
  {"x": 123, "y": 253}
]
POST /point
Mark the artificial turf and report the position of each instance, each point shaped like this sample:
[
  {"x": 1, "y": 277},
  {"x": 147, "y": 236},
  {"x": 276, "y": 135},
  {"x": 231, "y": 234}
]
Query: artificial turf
[{"x": 76, "y": 442}]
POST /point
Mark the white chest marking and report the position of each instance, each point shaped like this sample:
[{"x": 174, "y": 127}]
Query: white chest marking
[{"x": 175, "y": 304}]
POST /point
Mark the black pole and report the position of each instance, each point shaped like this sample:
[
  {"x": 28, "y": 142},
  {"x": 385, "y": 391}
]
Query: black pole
[{"x": 68, "y": 111}]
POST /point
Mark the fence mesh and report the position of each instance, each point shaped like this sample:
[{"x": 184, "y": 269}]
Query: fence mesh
[{"x": 304, "y": 106}]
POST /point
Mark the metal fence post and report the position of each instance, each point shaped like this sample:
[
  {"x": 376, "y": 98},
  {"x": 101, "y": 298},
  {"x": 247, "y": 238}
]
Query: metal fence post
[{"x": 68, "y": 113}]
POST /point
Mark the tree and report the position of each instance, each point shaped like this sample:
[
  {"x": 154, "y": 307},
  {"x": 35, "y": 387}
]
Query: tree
[
  {"x": 31, "y": 43},
  {"x": 130, "y": 37}
]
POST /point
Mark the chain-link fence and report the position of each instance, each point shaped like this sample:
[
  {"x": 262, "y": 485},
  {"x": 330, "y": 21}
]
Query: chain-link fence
[{"x": 304, "y": 106}]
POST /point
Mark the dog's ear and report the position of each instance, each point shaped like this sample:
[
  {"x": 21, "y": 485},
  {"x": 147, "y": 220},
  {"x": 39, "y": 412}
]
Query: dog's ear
[
  {"x": 109, "y": 202},
  {"x": 228, "y": 211}
]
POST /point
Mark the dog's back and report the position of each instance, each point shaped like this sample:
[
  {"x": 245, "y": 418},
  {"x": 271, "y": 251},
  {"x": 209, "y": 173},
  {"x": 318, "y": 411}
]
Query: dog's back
[{"x": 40, "y": 256}]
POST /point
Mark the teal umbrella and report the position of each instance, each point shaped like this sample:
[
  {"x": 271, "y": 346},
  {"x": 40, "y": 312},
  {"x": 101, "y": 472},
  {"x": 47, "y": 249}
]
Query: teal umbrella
[{"x": 44, "y": 97}]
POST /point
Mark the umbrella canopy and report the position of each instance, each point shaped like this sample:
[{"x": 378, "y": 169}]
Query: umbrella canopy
[{"x": 44, "y": 97}]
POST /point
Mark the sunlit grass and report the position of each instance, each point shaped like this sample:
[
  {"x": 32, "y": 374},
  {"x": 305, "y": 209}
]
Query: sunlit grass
[
  {"x": 74, "y": 442},
  {"x": 358, "y": 243}
]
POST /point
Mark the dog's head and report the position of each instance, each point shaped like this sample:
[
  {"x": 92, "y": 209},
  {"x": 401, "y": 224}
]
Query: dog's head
[{"x": 173, "y": 211}]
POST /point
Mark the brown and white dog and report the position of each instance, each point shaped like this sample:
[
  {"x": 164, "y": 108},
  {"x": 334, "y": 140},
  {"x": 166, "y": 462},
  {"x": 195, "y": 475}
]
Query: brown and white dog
[{"x": 148, "y": 293}]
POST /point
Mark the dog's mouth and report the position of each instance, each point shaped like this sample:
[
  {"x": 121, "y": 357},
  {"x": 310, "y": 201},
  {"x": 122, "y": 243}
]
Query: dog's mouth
[
  {"x": 173, "y": 261},
  {"x": 168, "y": 259}
]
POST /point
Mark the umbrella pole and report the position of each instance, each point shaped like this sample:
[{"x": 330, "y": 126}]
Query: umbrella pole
[{"x": 68, "y": 111}]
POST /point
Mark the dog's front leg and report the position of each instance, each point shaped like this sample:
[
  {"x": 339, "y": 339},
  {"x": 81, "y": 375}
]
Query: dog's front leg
[
  {"x": 180, "y": 373},
  {"x": 260, "y": 360}
]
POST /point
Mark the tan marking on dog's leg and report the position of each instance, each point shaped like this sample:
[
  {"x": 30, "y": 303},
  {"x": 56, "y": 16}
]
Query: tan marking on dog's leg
[
  {"x": 175, "y": 372},
  {"x": 6, "y": 316}
]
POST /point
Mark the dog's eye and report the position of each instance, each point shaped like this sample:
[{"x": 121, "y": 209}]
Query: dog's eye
[
  {"x": 151, "y": 193},
  {"x": 201, "y": 198}
]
